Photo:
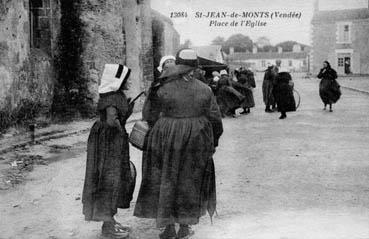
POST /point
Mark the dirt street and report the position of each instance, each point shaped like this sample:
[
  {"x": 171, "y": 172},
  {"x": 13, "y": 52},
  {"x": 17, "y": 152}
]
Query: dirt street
[{"x": 303, "y": 177}]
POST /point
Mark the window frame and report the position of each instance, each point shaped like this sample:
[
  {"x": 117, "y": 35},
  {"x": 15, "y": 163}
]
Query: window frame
[{"x": 341, "y": 26}]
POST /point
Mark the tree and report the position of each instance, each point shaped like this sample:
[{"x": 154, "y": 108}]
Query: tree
[
  {"x": 261, "y": 42},
  {"x": 287, "y": 45},
  {"x": 218, "y": 41},
  {"x": 267, "y": 48},
  {"x": 186, "y": 44},
  {"x": 239, "y": 42}
]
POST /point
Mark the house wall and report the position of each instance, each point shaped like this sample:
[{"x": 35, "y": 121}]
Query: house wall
[
  {"x": 111, "y": 31},
  {"x": 325, "y": 46},
  {"x": 26, "y": 75}
]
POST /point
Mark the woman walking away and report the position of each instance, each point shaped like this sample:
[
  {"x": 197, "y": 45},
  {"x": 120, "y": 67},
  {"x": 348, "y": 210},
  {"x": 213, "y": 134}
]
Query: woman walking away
[
  {"x": 108, "y": 184},
  {"x": 283, "y": 93},
  {"x": 178, "y": 180},
  {"x": 329, "y": 89}
]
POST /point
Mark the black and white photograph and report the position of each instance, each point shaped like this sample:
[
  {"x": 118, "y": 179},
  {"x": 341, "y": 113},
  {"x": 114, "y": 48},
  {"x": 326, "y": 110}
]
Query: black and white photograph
[{"x": 184, "y": 119}]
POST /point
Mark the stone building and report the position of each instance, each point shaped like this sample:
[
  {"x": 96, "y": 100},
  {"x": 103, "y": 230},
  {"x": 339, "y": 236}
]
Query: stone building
[
  {"x": 52, "y": 52},
  {"x": 342, "y": 38},
  {"x": 296, "y": 60}
]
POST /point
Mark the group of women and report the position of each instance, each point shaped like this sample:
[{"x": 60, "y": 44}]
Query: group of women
[
  {"x": 184, "y": 116},
  {"x": 232, "y": 94},
  {"x": 178, "y": 176},
  {"x": 278, "y": 89}
]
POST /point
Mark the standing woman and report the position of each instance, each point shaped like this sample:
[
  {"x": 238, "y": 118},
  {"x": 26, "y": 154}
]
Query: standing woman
[
  {"x": 283, "y": 93},
  {"x": 329, "y": 89},
  {"x": 267, "y": 88},
  {"x": 107, "y": 185},
  {"x": 245, "y": 83},
  {"x": 150, "y": 113},
  {"x": 177, "y": 161}
]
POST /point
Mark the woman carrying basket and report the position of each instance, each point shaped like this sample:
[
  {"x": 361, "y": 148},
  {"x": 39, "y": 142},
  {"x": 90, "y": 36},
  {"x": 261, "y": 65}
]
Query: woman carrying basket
[{"x": 108, "y": 183}]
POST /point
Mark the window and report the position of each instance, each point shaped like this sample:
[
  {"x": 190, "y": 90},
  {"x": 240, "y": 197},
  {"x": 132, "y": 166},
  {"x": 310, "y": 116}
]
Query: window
[
  {"x": 289, "y": 63},
  {"x": 340, "y": 61},
  {"x": 263, "y": 63},
  {"x": 40, "y": 34},
  {"x": 344, "y": 33}
]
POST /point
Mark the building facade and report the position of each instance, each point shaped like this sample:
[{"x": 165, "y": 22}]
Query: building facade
[
  {"x": 52, "y": 52},
  {"x": 342, "y": 38},
  {"x": 295, "y": 61}
]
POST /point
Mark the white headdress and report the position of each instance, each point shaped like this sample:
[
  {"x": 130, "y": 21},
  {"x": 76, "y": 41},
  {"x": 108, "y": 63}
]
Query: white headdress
[
  {"x": 163, "y": 60},
  {"x": 114, "y": 75}
]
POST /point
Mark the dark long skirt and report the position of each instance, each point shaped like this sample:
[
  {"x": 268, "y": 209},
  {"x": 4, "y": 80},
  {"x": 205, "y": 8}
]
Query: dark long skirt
[
  {"x": 107, "y": 182},
  {"x": 249, "y": 101},
  {"x": 268, "y": 97},
  {"x": 285, "y": 100},
  {"x": 178, "y": 172},
  {"x": 228, "y": 99},
  {"x": 329, "y": 91}
]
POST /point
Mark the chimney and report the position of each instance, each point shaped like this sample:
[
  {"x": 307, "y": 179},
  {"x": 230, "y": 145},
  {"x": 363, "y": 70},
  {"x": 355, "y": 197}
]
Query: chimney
[
  {"x": 231, "y": 50},
  {"x": 254, "y": 49},
  {"x": 316, "y": 6},
  {"x": 280, "y": 50}
]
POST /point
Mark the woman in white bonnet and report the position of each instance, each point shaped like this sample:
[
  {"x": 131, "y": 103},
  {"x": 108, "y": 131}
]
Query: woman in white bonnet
[
  {"x": 147, "y": 111},
  {"x": 108, "y": 183},
  {"x": 165, "y": 62}
]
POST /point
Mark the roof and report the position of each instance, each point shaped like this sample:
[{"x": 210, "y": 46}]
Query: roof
[
  {"x": 340, "y": 15},
  {"x": 208, "y": 52},
  {"x": 267, "y": 55}
]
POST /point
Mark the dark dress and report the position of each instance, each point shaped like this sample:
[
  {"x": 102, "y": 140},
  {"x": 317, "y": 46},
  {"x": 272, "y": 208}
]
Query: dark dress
[
  {"x": 178, "y": 178},
  {"x": 283, "y": 93},
  {"x": 267, "y": 87},
  {"x": 227, "y": 96},
  {"x": 246, "y": 82},
  {"x": 329, "y": 89},
  {"x": 107, "y": 180}
]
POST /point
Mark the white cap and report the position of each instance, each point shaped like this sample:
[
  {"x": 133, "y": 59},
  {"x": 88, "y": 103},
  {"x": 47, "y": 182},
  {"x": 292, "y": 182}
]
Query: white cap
[
  {"x": 112, "y": 78},
  {"x": 223, "y": 72},
  {"x": 163, "y": 60}
]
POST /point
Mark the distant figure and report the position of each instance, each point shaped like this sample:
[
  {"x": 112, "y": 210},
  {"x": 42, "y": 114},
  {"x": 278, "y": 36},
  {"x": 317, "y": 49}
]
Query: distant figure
[
  {"x": 228, "y": 98},
  {"x": 200, "y": 75},
  {"x": 245, "y": 83},
  {"x": 214, "y": 82},
  {"x": 283, "y": 93},
  {"x": 329, "y": 89},
  {"x": 267, "y": 87},
  {"x": 347, "y": 67}
]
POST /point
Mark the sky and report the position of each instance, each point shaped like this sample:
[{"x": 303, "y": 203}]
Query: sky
[{"x": 277, "y": 30}]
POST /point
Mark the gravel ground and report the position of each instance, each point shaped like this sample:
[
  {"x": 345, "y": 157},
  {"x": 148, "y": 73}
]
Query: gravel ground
[{"x": 303, "y": 177}]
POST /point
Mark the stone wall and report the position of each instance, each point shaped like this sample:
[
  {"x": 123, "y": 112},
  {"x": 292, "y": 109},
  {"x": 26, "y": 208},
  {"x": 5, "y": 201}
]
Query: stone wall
[
  {"x": 57, "y": 65},
  {"x": 166, "y": 39},
  {"x": 26, "y": 74}
]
